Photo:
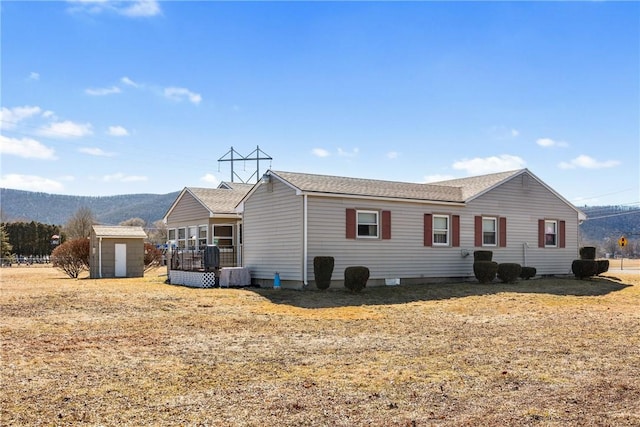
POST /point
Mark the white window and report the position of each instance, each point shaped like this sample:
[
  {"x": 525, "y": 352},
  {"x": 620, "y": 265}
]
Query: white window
[
  {"x": 182, "y": 237},
  {"x": 550, "y": 234},
  {"x": 440, "y": 230},
  {"x": 171, "y": 237},
  {"x": 202, "y": 235},
  {"x": 193, "y": 237},
  {"x": 223, "y": 235},
  {"x": 489, "y": 231},
  {"x": 367, "y": 224}
]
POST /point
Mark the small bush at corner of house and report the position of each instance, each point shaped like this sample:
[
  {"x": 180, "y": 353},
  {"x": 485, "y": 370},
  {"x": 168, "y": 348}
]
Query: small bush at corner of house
[
  {"x": 602, "y": 266},
  {"x": 355, "y": 278},
  {"x": 583, "y": 268},
  {"x": 322, "y": 271}
]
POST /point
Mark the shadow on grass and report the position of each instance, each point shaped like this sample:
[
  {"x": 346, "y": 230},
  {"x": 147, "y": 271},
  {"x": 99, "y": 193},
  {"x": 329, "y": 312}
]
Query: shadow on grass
[{"x": 385, "y": 295}]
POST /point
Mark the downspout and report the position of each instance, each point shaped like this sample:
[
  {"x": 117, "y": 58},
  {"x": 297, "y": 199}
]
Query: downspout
[
  {"x": 525, "y": 245},
  {"x": 305, "y": 239},
  {"x": 100, "y": 258}
]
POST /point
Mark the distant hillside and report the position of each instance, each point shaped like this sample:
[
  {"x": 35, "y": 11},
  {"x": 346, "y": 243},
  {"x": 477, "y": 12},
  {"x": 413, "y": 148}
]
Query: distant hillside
[
  {"x": 605, "y": 222},
  {"x": 56, "y": 209}
]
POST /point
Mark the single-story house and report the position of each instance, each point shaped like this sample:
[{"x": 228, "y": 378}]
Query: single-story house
[
  {"x": 116, "y": 251},
  {"x": 408, "y": 231},
  {"x": 207, "y": 216}
]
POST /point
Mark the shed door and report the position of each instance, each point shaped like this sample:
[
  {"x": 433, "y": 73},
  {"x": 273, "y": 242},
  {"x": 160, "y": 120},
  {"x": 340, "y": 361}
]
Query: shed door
[{"x": 121, "y": 260}]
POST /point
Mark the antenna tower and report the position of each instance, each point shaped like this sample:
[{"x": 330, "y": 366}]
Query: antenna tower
[{"x": 233, "y": 156}]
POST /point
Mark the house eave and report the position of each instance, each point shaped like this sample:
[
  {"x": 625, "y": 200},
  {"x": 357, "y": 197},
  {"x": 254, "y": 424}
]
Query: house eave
[{"x": 380, "y": 198}]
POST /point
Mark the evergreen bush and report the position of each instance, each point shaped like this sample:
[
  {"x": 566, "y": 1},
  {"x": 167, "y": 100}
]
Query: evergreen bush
[
  {"x": 355, "y": 278},
  {"x": 482, "y": 255},
  {"x": 602, "y": 266},
  {"x": 322, "y": 271},
  {"x": 485, "y": 271},
  {"x": 583, "y": 268},
  {"x": 508, "y": 272},
  {"x": 588, "y": 252},
  {"x": 527, "y": 273}
]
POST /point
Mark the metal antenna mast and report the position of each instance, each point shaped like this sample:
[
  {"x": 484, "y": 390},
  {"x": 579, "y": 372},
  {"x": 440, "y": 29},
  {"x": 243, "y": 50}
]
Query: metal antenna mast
[{"x": 256, "y": 155}]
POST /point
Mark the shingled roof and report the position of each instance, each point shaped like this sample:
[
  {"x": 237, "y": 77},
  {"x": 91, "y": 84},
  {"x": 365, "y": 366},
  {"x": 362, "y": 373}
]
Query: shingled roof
[
  {"x": 457, "y": 190},
  {"x": 220, "y": 200},
  {"x": 119, "y": 231}
]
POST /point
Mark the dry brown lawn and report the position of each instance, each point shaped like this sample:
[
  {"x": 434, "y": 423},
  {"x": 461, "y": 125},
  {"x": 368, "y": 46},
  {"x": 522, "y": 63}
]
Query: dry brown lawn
[{"x": 544, "y": 352}]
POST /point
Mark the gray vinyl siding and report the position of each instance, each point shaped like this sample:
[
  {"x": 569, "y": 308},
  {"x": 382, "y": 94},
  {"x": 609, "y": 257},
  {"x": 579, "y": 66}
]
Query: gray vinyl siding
[
  {"x": 405, "y": 256},
  {"x": 135, "y": 257},
  {"x": 402, "y": 256},
  {"x": 523, "y": 206},
  {"x": 272, "y": 228},
  {"x": 186, "y": 211}
]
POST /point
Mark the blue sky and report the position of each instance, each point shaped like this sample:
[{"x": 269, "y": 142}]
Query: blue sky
[{"x": 105, "y": 97}]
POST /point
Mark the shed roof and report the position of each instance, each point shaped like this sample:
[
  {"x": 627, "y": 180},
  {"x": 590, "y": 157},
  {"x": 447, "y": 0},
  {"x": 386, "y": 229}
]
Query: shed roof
[{"x": 119, "y": 231}]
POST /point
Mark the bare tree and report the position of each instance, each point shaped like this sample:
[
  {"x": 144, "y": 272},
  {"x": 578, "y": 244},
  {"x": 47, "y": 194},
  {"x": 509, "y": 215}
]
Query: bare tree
[
  {"x": 79, "y": 225},
  {"x": 158, "y": 233},
  {"x": 137, "y": 222}
]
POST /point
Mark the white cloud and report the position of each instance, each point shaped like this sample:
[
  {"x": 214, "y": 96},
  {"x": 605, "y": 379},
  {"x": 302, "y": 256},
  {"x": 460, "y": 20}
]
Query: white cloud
[
  {"x": 127, "y": 81},
  {"x": 352, "y": 153},
  {"x": 102, "y": 91},
  {"x": 94, "y": 151},
  {"x": 34, "y": 76},
  {"x": 66, "y": 129},
  {"x": 180, "y": 93},
  {"x": 118, "y": 131},
  {"x": 120, "y": 177},
  {"x": 130, "y": 8},
  {"x": 210, "y": 178},
  {"x": 142, "y": 8},
  {"x": 10, "y": 117},
  {"x": 392, "y": 155},
  {"x": 548, "y": 142},
  {"x": 320, "y": 152},
  {"x": 437, "y": 178},
  {"x": 25, "y": 147},
  {"x": 30, "y": 183},
  {"x": 480, "y": 166},
  {"x": 586, "y": 162}
]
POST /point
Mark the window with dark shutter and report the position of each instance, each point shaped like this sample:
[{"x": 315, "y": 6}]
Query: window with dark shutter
[
  {"x": 351, "y": 224},
  {"x": 455, "y": 231},
  {"x": 502, "y": 231},
  {"x": 386, "y": 225},
  {"x": 428, "y": 230}
]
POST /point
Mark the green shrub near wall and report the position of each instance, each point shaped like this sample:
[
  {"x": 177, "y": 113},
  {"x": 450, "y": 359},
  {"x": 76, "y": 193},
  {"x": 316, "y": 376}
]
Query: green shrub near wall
[
  {"x": 588, "y": 252},
  {"x": 485, "y": 271},
  {"x": 508, "y": 272},
  {"x": 602, "y": 266},
  {"x": 355, "y": 278},
  {"x": 322, "y": 271},
  {"x": 482, "y": 255},
  {"x": 527, "y": 273},
  {"x": 583, "y": 268}
]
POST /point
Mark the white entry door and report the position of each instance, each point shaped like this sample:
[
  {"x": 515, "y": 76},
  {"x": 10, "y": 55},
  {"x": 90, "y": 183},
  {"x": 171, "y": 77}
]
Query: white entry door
[{"x": 121, "y": 260}]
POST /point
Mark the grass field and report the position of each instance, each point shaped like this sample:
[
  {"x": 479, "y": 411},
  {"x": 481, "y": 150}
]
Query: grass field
[{"x": 546, "y": 352}]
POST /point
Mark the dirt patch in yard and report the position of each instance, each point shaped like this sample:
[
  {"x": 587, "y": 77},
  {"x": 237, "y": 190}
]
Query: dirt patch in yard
[{"x": 140, "y": 352}]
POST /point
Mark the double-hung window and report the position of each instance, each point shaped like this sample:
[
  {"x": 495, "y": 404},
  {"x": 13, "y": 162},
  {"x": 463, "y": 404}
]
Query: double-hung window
[
  {"x": 489, "y": 231},
  {"x": 550, "y": 233},
  {"x": 171, "y": 237},
  {"x": 182, "y": 237},
  {"x": 440, "y": 230},
  {"x": 367, "y": 224},
  {"x": 202, "y": 235}
]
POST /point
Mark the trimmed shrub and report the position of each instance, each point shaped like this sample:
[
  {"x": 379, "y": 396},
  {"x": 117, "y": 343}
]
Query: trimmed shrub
[
  {"x": 508, "y": 272},
  {"x": 583, "y": 268},
  {"x": 72, "y": 257},
  {"x": 482, "y": 255},
  {"x": 588, "y": 252},
  {"x": 527, "y": 273},
  {"x": 602, "y": 266},
  {"x": 322, "y": 271},
  {"x": 485, "y": 271},
  {"x": 355, "y": 278}
]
